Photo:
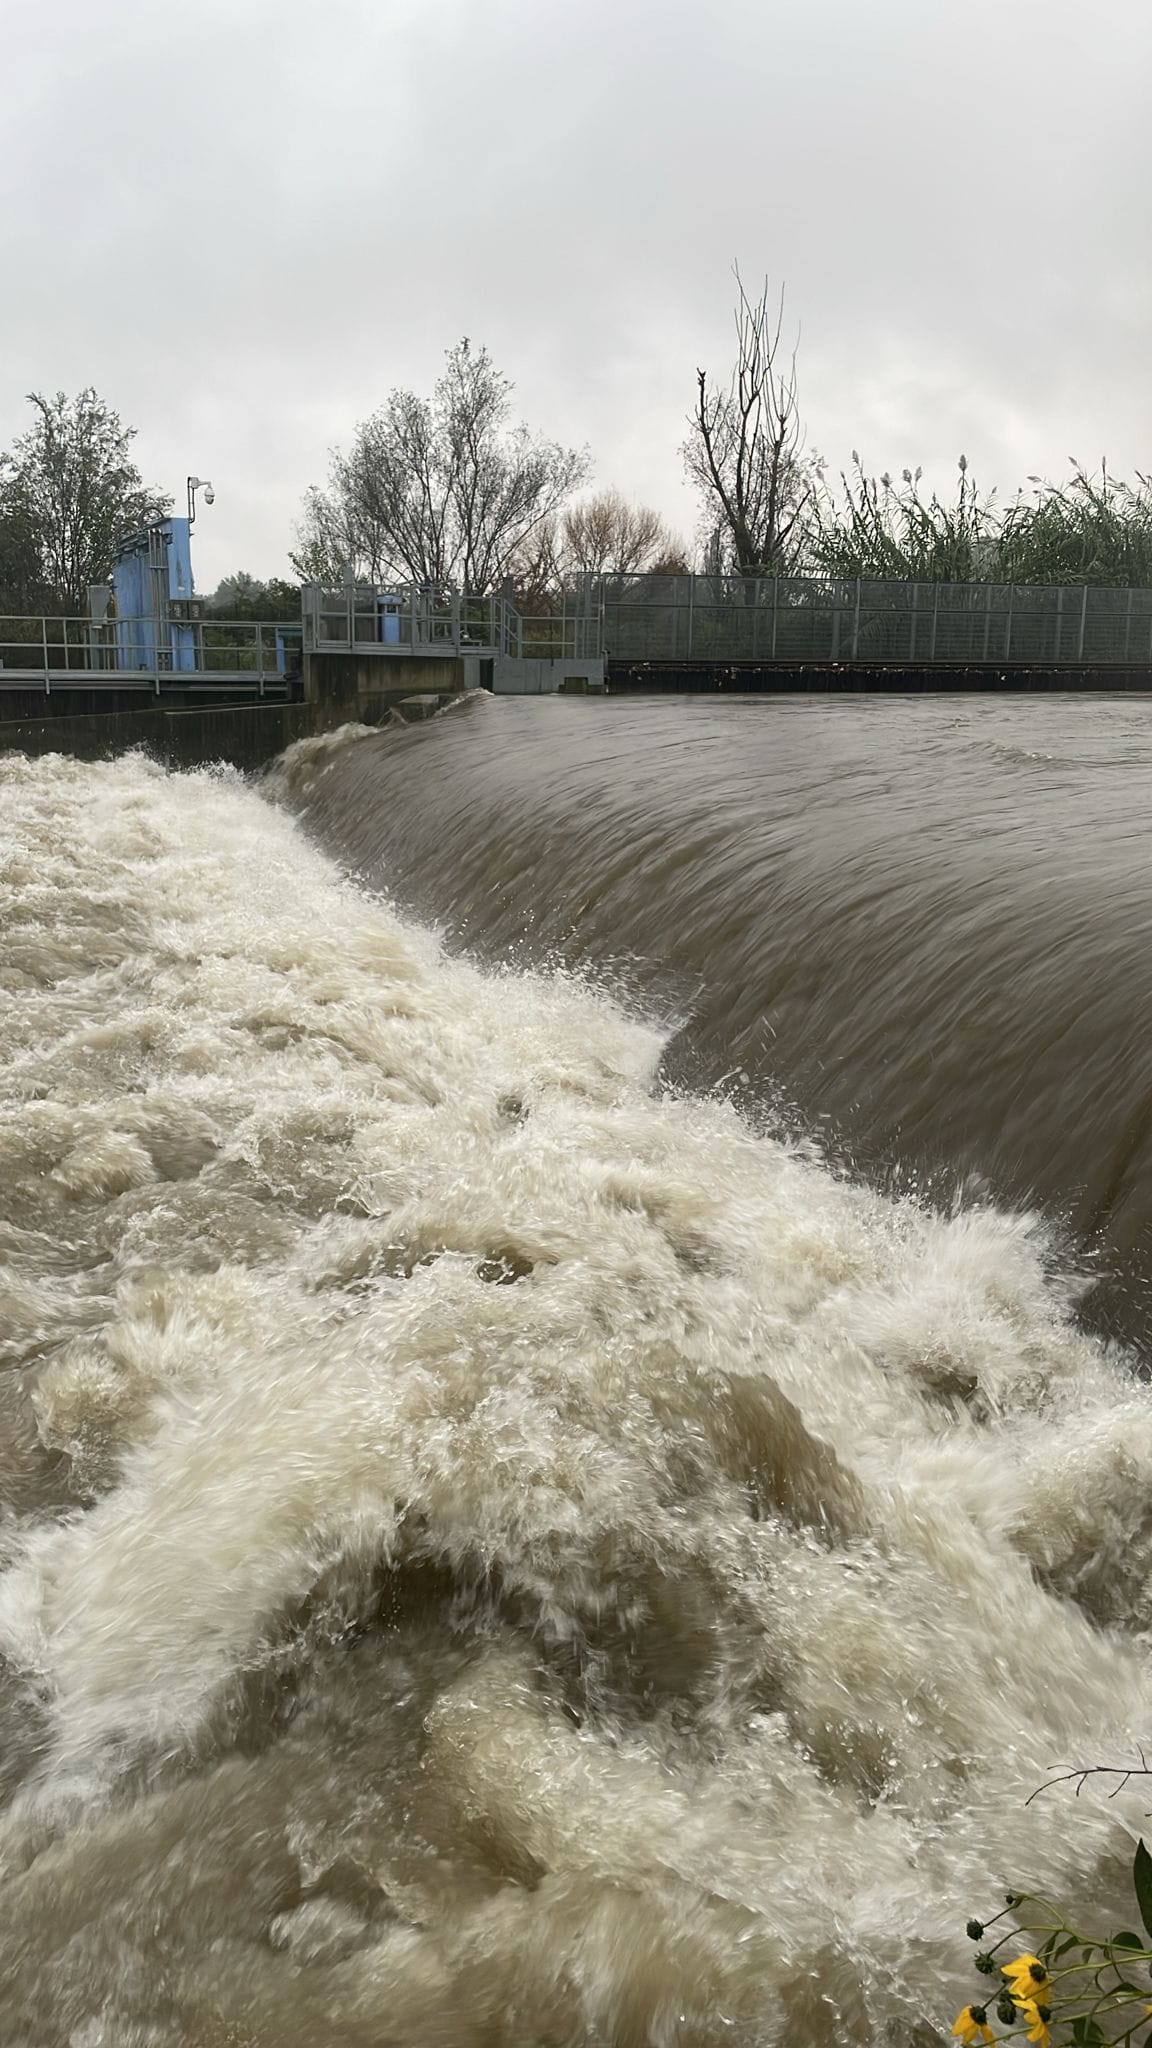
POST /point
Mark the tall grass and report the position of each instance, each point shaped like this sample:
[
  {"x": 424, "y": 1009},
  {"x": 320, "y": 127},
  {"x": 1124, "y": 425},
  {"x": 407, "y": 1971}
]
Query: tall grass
[{"x": 1091, "y": 529}]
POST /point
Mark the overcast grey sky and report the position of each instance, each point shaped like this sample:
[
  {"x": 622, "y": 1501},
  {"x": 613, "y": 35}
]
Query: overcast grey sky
[{"x": 244, "y": 220}]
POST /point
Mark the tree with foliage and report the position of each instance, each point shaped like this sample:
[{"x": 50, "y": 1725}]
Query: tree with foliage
[
  {"x": 245, "y": 597},
  {"x": 745, "y": 449},
  {"x": 437, "y": 491},
  {"x": 73, "y": 490},
  {"x": 22, "y": 587}
]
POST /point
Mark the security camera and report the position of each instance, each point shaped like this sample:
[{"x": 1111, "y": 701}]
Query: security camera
[{"x": 209, "y": 495}]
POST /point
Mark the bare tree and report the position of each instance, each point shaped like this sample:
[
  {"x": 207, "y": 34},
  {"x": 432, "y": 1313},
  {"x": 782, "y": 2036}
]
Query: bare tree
[
  {"x": 607, "y": 536},
  {"x": 601, "y": 536},
  {"x": 537, "y": 569},
  {"x": 440, "y": 491},
  {"x": 745, "y": 450},
  {"x": 72, "y": 489}
]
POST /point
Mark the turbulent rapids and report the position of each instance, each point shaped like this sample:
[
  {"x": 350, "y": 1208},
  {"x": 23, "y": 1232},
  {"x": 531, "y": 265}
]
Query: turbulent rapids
[
  {"x": 499, "y": 1551},
  {"x": 921, "y": 924}
]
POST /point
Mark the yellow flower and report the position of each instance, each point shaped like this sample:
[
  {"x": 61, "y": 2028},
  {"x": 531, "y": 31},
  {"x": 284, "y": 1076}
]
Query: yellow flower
[
  {"x": 1027, "y": 1978},
  {"x": 972, "y": 2026},
  {"x": 1036, "y": 2021}
]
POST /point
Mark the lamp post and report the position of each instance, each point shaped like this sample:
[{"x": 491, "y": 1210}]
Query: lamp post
[{"x": 198, "y": 483}]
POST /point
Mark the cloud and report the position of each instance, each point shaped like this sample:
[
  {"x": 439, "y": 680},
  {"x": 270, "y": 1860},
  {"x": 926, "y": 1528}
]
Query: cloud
[{"x": 245, "y": 221}]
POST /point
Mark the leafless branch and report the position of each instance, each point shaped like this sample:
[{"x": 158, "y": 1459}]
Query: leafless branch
[
  {"x": 1079, "y": 1775},
  {"x": 745, "y": 450}
]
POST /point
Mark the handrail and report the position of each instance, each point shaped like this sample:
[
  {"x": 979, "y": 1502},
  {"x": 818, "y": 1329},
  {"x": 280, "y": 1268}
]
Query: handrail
[{"x": 64, "y": 650}]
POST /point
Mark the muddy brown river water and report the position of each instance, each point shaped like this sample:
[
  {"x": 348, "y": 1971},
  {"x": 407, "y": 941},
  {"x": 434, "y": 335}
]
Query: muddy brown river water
[{"x": 561, "y": 1484}]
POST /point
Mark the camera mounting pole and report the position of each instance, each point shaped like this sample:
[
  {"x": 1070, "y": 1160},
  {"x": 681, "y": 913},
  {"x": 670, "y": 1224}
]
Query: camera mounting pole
[{"x": 198, "y": 483}]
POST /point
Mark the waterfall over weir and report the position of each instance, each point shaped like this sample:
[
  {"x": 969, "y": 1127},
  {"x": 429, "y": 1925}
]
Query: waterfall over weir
[{"x": 503, "y": 1544}]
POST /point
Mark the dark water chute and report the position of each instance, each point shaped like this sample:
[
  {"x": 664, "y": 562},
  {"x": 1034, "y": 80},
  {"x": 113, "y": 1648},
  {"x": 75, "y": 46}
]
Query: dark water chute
[{"x": 923, "y": 925}]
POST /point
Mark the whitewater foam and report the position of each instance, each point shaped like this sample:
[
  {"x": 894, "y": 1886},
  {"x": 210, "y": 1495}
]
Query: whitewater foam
[{"x": 496, "y": 1552}]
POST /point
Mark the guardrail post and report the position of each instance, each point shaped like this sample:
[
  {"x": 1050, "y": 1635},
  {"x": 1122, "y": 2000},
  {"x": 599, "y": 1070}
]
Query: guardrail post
[
  {"x": 691, "y": 607},
  {"x": 1083, "y": 623},
  {"x": 1008, "y": 623},
  {"x": 260, "y": 657},
  {"x": 44, "y": 638},
  {"x": 775, "y": 611},
  {"x": 856, "y": 623},
  {"x": 935, "y": 620}
]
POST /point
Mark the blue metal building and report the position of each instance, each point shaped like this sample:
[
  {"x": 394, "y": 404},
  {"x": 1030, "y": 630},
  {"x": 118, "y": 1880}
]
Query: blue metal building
[{"x": 155, "y": 602}]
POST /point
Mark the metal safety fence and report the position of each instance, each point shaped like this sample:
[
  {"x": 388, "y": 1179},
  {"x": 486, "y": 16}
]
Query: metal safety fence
[{"x": 815, "y": 619}]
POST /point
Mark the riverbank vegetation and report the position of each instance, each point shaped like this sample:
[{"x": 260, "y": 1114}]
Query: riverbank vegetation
[
  {"x": 771, "y": 508},
  {"x": 453, "y": 490},
  {"x": 423, "y": 479},
  {"x": 1092, "y": 529}
]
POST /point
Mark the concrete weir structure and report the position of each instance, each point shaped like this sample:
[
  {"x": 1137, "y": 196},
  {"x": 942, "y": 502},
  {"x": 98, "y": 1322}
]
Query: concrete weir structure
[
  {"x": 395, "y": 634},
  {"x": 194, "y": 688},
  {"x": 241, "y": 692},
  {"x": 337, "y": 690}
]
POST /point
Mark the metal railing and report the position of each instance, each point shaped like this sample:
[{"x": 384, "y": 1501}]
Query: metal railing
[
  {"x": 781, "y": 620},
  {"x": 411, "y": 620},
  {"x": 575, "y": 635},
  {"x": 77, "y": 653},
  {"x": 816, "y": 619},
  {"x": 407, "y": 621}
]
